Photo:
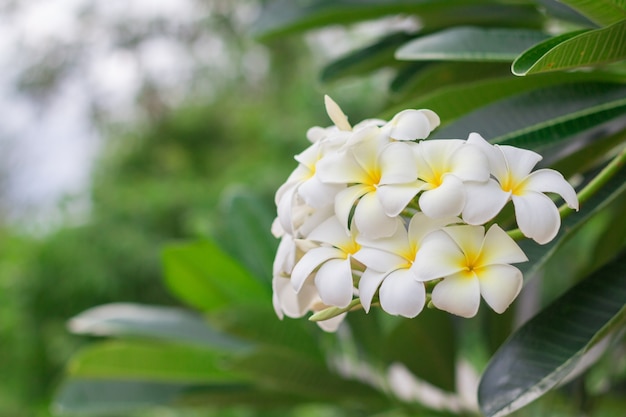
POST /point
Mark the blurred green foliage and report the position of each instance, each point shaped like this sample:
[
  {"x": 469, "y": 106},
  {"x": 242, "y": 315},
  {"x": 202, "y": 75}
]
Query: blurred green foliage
[{"x": 156, "y": 182}]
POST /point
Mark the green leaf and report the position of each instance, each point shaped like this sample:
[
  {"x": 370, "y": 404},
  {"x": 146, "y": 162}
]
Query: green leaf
[
  {"x": 281, "y": 17},
  {"x": 421, "y": 78},
  {"x": 574, "y": 49},
  {"x": 261, "y": 325},
  {"x": 550, "y": 346},
  {"x": 109, "y": 397},
  {"x": 151, "y": 361},
  {"x": 426, "y": 345},
  {"x": 603, "y": 12},
  {"x": 289, "y": 372},
  {"x": 245, "y": 231},
  {"x": 542, "y": 117},
  {"x": 453, "y": 101},
  {"x": 204, "y": 276},
  {"x": 136, "y": 320},
  {"x": 470, "y": 44},
  {"x": 367, "y": 59}
]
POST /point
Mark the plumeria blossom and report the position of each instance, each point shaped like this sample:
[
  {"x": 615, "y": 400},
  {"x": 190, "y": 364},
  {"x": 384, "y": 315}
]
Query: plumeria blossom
[
  {"x": 471, "y": 264},
  {"x": 378, "y": 211},
  {"x": 390, "y": 261},
  {"x": 330, "y": 264},
  {"x": 536, "y": 214},
  {"x": 445, "y": 166},
  {"x": 382, "y": 178}
]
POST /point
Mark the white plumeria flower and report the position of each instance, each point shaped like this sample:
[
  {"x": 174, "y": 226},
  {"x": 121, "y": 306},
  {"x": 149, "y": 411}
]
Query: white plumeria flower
[
  {"x": 537, "y": 215},
  {"x": 382, "y": 180},
  {"x": 412, "y": 124},
  {"x": 329, "y": 265},
  {"x": 288, "y": 302},
  {"x": 445, "y": 165},
  {"x": 390, "y": 261},
  {"x": 471, "y": 264}
]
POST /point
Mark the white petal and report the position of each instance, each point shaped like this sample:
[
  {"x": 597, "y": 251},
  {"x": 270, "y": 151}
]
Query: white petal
[
  {"x": 336, "y": 115},
  {"x": 309, "y": 262},
  {"x": 497, "y": 161},
  {"x": 370, "y": 218},
  {"x": 332, "y": 324},
  {"x": 309, "y": 156},
  {"x": 396, "y": 197},
  {"x": 439, "y": 256},
  {"x": 332, "y": 232},
  {"x": 366, "y": 146},
  {"x": 334, "y": 282},
  {"x": 499, "y": 285},
  {"x": 458, "y": 295},
  {"x": 483, "y": 201},
  {"x": 318, "y": 194},
  {"x": 551, "y": 181},
  {"x": 520, "y": 162},
  {"x": 537, "y": 216},
  {"x": 446, "y": 200},
  {"x": 368, "y": 285},
  {"x": 397, "y": 164},
  {"x": 379, "y": 260},
  {"x": 284, "y": 209},
  {"x": 500, "y": 248},
  {"x": 468, "y": 238},
  {"x": 411, "y": 124},
  {"x": 469, "y": 163},
  {"x": 315, "y": 218},
  {"x": 401, "y": 294},
  {"x": 317, "y": 133},
  {"x": 438, "y": 153},
  {"x": 289, "y": 302},
  {"x": 344, "y": 201},
  {"x": 340, "y": 168},
  {"x": 285, "y": 256},
  {"x": 421, "y": 225}
]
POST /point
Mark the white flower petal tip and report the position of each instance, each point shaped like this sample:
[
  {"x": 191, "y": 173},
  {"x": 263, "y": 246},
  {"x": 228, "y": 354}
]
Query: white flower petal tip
[
  {"x": 336, "y": 114},
  {"x": 412, "y": 124}
]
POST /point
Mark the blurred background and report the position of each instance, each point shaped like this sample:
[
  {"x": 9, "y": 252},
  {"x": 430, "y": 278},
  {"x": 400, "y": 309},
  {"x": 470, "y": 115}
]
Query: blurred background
[{"x": 123, "y": 125}]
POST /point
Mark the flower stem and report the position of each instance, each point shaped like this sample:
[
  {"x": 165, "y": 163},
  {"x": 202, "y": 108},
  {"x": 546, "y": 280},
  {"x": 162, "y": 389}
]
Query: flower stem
[
  {"x": 589, "y": 190},
  {"x": 330, "y": 312}
]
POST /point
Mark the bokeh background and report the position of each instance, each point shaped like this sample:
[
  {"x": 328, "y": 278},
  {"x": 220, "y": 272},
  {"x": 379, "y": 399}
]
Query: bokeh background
[{"x": 123, "y": 125}]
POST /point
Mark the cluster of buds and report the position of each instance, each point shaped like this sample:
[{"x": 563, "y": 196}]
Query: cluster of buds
[{"x": 376, "y": 213}]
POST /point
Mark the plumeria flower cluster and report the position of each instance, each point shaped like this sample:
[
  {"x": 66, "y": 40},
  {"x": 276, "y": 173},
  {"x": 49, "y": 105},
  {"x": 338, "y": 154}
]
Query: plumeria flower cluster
[{"x": 376, "y": 213}]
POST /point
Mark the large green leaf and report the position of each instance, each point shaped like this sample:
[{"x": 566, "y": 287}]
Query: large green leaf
[
  {"x": 151, "y": 361},
  {"x": 287, "y": 371},
  {"x": 112, "y": 397},
  {"x": 280, "y": 17},
  {"x": 207, "y": 278},
  {"x": 261, "y": 325},
  {"x": 452, "y": 101},
  {"x": 541, "y": 117},
  {"x": 575, "y": 49},
  {"x": 470, "y": 44},
  {"x": 143, "y": 321},
  {"x": 244, "y": 230},
  {"x": 367, "y": 59},
  {"x": 551, "y": 345},
  {"x": 603, "y": 12}
]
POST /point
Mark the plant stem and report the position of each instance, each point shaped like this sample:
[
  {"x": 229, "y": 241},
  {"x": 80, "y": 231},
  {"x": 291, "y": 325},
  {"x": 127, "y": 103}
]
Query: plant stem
[
  {"x": 330, "y": 312},
  {"x": 589, "y": 190}
]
